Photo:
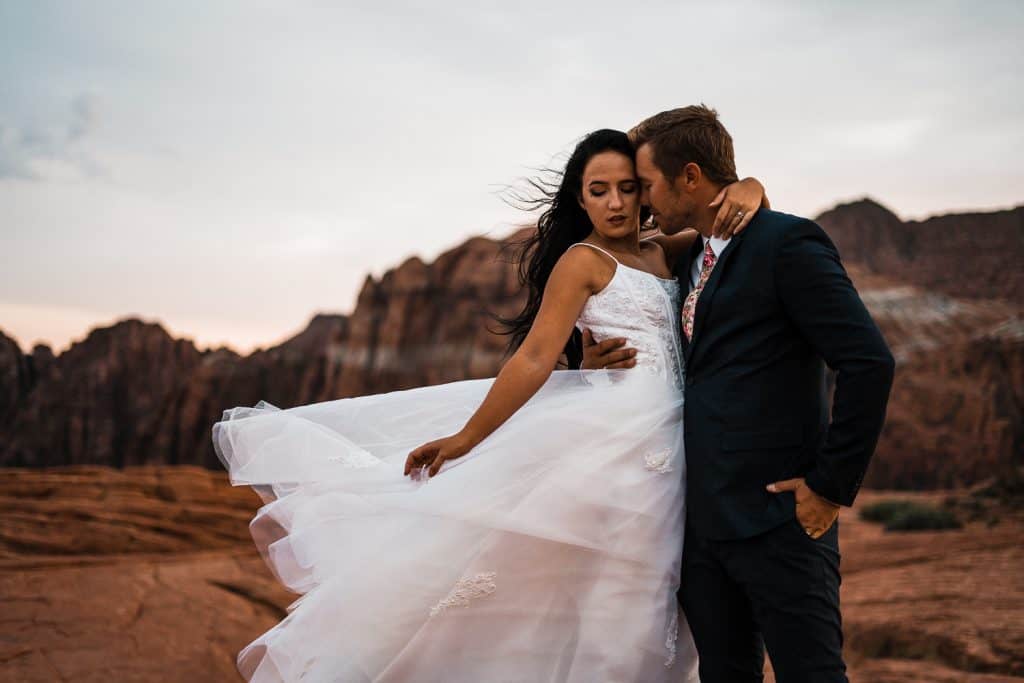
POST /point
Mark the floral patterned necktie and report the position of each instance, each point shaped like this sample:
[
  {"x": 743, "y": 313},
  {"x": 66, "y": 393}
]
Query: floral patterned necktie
[{"x": 690, "y": 305}]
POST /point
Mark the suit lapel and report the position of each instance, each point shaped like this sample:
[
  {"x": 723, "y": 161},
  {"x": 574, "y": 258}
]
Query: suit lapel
[{"x": 707, "y": 296}]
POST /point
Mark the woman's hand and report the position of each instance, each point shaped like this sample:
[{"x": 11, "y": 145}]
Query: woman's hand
[
  {"x": 737, "y": 203},
  {"x": 436, "y": 452}
]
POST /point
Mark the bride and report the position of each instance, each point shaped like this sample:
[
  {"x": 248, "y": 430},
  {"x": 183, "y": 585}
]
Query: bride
[{"x": 537, "y": 536}]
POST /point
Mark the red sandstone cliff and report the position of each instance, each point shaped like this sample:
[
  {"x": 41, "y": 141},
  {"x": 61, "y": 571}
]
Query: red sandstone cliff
[
  {"x": 130, "y": 394},
  {"x": 956, "y": 412},
  {"x": 964, "y": 255}
]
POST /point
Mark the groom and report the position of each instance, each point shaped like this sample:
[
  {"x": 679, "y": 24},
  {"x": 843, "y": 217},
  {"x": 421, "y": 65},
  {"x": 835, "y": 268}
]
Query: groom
[{"x": 767, "y": 470}]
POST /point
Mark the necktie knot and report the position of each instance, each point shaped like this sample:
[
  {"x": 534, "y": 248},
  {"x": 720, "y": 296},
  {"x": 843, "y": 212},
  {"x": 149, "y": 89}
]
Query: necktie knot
[{"x": 709, "y": 256}]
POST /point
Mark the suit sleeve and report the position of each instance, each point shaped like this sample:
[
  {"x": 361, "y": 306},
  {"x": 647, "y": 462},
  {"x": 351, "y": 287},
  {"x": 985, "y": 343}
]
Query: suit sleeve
[{"x": 817, "y": 295}]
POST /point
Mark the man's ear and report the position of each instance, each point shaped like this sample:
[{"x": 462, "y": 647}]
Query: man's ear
[
  {"x": 691, "y": 176},
  {"x": 688, "y": 179}
]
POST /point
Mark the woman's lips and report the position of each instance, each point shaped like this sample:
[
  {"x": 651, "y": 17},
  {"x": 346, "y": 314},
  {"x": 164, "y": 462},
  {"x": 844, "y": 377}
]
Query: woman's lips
[{"x": 617, "y": 220}]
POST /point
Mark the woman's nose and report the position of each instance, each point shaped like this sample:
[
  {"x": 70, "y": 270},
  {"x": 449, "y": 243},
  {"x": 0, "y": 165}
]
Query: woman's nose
[{"x": 614, "y": 200}]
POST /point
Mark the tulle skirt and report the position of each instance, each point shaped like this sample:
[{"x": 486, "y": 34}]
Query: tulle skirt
[{"x": 549, "y": 553}]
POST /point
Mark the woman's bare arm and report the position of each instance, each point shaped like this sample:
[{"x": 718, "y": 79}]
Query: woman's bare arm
[
  {"x": 675, "y": 246},
  {"x": 574, "y": 278}
]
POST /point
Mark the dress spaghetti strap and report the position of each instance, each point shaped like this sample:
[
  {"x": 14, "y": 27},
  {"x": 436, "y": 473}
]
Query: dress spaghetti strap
[{"x": 594, "y": 246}]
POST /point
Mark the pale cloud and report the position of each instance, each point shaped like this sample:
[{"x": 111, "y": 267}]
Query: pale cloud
[{"x": 54, "y": 152}]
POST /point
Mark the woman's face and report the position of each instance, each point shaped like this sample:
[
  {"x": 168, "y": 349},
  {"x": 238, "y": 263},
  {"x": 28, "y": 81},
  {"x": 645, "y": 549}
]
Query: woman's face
[{"x": 611, "y": 195}]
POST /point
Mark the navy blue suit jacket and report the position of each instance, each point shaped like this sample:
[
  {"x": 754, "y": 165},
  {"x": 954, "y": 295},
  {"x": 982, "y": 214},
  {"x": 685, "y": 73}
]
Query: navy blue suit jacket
[{"x": 776, "y": 310}]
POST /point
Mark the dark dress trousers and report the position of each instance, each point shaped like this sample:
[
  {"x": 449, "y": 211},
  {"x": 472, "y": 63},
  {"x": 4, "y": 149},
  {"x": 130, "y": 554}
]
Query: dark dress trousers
[{"x": 776, "y": 310}]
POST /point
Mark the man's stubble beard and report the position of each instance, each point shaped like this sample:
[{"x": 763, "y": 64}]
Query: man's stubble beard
[
  {"x": 679, "y": 222},
  {"x": 668, "y": 229},
  {"x": 681, "y": 216}
]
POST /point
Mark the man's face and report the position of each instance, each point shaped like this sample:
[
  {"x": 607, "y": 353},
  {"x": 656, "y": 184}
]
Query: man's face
[{"x": 671, "y": 206}]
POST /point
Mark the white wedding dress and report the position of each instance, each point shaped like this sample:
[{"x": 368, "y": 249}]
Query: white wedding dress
[{"x": 549, "y": 553}]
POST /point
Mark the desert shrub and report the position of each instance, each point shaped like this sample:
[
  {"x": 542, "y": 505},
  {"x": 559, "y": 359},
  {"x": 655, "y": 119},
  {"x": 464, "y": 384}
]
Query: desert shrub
[
  {"x": 883, "y": 511},
  {"x": 908, "y": 515}
]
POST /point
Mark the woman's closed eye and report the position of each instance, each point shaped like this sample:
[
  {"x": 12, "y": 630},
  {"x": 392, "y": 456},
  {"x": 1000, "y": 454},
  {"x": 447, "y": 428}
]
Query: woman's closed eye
[{"x": 625, "y": 188}]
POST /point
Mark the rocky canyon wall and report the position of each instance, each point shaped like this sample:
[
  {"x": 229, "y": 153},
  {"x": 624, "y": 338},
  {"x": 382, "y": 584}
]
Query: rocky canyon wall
[{"x": 946, "y": 293}]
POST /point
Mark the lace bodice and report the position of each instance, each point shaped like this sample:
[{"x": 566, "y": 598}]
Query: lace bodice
[{"x": 644, "y": 309}]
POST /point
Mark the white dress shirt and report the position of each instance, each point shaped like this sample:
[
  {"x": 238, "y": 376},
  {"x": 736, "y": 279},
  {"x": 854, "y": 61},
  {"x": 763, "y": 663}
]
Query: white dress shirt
[{"x": 717, "y": 246}]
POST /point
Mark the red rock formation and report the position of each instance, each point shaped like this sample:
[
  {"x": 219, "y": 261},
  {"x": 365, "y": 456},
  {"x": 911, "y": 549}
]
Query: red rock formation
[
  {"x": 14, "y": 379},
  {"x": 956, "y": 413},
  {"x": 148, "y": 574},
  {"x": 964, "y": 255},
  {"x": 130, "y": 394},
  {"x": 101, "y": 401},
  {"x": 429, "y": 323},
  {"x": 141, "y": 574}
]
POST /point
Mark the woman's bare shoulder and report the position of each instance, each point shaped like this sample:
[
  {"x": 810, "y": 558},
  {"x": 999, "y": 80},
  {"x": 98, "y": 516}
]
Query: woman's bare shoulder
[{"x": 586, "y": 264}]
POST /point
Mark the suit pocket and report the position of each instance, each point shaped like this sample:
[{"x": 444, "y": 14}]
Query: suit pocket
[{"x": 761, "y": 439}]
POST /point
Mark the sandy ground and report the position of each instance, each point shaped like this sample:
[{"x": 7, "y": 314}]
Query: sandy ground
[{"x": 149, "y": 575}]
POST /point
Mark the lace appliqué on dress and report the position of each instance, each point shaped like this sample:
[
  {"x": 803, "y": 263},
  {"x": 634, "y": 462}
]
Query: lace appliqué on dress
[
  {"x": 659, "y": 461},
  {"x": 465, "y": 590},
  {"x": 671, "y": 638},
  {"x": 659, "y": 300},
  {"x": 643, "y": 308}
]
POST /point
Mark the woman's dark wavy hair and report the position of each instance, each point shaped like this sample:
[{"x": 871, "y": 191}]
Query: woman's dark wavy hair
[{"x": 563, "y": 223}]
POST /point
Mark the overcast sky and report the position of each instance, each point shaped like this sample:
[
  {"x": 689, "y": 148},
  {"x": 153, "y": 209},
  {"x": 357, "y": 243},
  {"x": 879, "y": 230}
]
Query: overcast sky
[{"x": 231, "y": 168}]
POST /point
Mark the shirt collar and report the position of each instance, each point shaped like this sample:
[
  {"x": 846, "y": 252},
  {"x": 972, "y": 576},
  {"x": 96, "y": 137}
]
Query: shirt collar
[{"x": 717, "y": 244}]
